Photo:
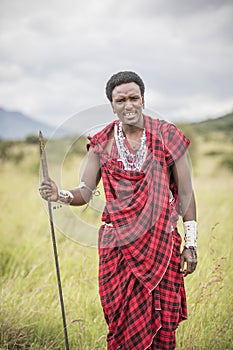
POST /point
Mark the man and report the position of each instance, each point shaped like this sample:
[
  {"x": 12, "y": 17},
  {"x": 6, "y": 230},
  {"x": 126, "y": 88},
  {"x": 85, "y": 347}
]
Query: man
[{"x": 147, "y": 183}]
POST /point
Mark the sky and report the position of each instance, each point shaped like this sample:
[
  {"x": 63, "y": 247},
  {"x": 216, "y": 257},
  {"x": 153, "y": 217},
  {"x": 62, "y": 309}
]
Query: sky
[{"x": 57, "y": 55}]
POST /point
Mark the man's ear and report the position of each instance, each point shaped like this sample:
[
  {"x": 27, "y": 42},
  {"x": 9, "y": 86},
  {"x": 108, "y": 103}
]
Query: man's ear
[
  {"x": 113, "y": 108},
  {"x": 143, "y": 102}
]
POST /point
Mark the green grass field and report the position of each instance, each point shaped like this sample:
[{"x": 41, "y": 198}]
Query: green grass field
[{"x": 30, "y": 316}]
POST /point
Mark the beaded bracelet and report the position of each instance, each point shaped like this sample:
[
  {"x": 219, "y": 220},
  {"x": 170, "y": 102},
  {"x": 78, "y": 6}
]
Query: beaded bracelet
[
  {"x": 64, "y": 197},
  {"x": 190, "y": 233}
]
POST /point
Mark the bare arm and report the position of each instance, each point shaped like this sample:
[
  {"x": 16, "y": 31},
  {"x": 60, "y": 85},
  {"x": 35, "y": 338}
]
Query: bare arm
[
  {"x": 91, "y": 177},
  {"x": 182, "y": 176}
]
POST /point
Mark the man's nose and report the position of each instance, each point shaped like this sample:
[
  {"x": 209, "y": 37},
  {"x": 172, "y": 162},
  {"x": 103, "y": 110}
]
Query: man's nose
[{"x": 128, "y": 105}]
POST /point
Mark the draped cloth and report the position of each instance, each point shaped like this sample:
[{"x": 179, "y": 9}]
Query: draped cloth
[{"x": 141, "y": 289}]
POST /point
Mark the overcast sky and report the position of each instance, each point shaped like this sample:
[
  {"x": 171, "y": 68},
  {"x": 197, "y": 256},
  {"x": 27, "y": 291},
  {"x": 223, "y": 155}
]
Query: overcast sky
[{"x": 56, "y": 55}]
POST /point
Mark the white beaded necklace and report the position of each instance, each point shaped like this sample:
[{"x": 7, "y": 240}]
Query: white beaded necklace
[{"x": 130, "y": 160}]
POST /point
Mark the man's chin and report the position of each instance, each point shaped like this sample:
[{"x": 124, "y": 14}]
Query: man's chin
[{"x": 133, "y": 122}]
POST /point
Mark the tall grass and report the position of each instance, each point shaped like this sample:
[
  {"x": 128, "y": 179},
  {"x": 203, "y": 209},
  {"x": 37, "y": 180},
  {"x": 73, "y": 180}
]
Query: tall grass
[{"x": 30, "y": 316}]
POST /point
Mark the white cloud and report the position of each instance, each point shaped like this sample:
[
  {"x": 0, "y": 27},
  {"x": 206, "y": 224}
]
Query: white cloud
[{"x": 56, "y": 56}]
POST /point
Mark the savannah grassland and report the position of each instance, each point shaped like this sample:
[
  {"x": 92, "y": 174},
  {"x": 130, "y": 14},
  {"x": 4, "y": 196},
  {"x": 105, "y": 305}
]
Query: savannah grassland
[{"x": 30, "y": 316}]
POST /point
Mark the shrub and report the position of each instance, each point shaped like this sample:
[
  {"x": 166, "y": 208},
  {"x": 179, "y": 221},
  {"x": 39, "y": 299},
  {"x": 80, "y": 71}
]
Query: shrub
[{"x": 227, "y": 161}]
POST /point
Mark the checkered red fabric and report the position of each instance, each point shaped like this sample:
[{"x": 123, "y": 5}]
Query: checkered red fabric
[
  {"x": 141, "y": 288},
  {"x": 136, "y": 318}
]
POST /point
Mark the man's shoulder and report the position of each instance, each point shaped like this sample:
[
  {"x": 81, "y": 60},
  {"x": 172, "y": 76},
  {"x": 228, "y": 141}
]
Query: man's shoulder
[
  {"x": 102, "y": 136},
  {"x": 105, "y": 130},
  {"x": 156, "y": 122}
]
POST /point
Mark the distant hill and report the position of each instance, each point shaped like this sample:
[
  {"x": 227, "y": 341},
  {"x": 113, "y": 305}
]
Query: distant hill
[
  {"x": 221, "y": 124},
  {"x": 17, "y": 126}
]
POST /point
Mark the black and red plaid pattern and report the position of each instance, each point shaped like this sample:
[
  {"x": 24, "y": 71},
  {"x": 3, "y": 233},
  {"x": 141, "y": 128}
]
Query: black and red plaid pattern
[
  {"x": 140, "y": 285},
  {"x": 136, "y": 318}
]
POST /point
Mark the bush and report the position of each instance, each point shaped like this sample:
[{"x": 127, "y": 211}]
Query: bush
[
  {"x": 31, "y": 139},
  {"x": 5, "y": 150},
  {"x": 227, "y": 161}
]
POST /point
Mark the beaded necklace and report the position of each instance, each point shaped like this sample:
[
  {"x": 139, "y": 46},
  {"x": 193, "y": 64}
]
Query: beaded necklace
[{"x": 130, "y": 160}]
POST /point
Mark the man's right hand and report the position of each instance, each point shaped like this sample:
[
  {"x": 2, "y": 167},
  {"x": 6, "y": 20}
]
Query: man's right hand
[{"x": 48, "y": 190}]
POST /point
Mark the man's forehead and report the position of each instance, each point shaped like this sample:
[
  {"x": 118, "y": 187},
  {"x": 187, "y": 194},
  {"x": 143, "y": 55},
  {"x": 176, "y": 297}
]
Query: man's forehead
[{"x": 126, "y": 88}]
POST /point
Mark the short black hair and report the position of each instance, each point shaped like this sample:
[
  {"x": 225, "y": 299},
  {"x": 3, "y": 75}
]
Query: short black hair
[{"x": 123, "y": 78}]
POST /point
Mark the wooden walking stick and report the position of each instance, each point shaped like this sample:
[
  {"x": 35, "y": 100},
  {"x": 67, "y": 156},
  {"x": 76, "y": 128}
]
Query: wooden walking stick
[{"x": 46, "y": 177}]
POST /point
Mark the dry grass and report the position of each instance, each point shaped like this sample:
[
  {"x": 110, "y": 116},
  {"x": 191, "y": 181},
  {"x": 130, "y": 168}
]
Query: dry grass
[{"x": 30, "y": 315}]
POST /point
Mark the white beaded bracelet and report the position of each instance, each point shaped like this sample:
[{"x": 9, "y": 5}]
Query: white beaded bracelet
[
  {"x": 64, "y": 197},
  {"x": 190, "y": 233}
]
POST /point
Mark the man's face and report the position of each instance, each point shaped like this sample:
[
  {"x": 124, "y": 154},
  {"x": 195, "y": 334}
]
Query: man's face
[{"x": 127, "y": 103}]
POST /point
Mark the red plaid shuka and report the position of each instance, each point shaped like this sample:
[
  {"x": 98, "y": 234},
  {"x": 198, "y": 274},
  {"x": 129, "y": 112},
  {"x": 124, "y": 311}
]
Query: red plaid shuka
[{"x": 141, "y": 288}]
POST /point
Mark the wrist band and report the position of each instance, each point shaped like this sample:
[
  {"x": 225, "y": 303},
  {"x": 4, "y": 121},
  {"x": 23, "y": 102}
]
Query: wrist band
[
  {"x": 190, "y": 233},
  {"x": 64, "y": 197},
  {"x": 83, "y": 185}
]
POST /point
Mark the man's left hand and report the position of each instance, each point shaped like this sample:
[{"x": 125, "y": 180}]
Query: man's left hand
[{"x": 189, "y": 260}]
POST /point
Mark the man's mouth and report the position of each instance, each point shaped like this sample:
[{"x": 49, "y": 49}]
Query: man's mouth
[{"x": 130, "y": 114}]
